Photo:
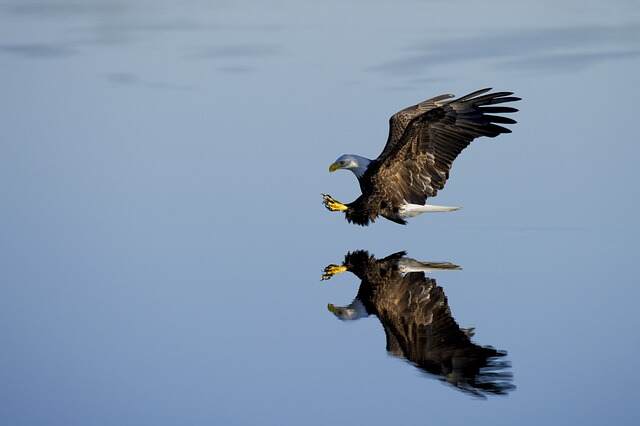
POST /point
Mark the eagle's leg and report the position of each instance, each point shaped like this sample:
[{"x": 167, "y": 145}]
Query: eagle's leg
[
  {"x": 332, "y": 270},
  {"x": 332, "y": 204}
]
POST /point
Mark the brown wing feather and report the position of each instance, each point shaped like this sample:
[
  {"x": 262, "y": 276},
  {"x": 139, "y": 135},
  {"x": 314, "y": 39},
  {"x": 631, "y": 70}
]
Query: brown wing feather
[
  {"x": 418, "y": 164},
  {"x": 399, "y": 121}
]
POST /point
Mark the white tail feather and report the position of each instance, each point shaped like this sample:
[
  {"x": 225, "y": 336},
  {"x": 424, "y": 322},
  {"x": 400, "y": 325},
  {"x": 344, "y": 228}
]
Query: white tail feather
[
  {"x": 411, "y": 210},
  {"x": 429, "y": 208}
]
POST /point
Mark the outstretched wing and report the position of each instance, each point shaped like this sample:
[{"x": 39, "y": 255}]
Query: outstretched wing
[
  {"x": 417, "y": 165},
  {"x": 399, "y": 121}
]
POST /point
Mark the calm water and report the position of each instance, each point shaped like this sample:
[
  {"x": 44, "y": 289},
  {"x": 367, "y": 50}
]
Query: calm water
[{"x": 162, "y": 236}]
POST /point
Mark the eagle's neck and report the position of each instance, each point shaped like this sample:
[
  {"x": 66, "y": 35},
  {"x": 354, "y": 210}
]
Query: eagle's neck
[
  {"x": 356, "y": 310},
  {"x": 363, "y": 163}
]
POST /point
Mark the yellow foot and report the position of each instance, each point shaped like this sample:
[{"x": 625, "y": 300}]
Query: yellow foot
[
  {"x": 333, "y": 205},
  {"x": 332, "y": 270}
]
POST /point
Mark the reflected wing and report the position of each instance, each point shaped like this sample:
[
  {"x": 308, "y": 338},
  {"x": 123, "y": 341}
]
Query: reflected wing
[
  {"x": 419, "y": 327},
  {"x": 416, "y": 317},
  {"x": 417, "y": 165},
  {"x": 419, "y": 308}
]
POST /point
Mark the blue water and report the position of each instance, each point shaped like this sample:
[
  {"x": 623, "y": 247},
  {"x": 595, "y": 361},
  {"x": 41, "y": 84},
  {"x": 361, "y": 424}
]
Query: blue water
[{"x": 162, "y": 235}]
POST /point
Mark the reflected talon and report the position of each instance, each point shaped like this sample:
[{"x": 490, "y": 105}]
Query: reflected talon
[
  {"x": 332, "y": 270},
  {"x": 332, "y": 204}
]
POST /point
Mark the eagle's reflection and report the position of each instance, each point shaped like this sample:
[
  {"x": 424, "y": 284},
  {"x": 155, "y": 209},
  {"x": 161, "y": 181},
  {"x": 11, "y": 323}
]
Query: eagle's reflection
[{"x": 417, "y": 321}]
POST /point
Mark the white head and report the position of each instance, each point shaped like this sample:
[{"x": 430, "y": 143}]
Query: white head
[{"x": 357, "y": 164}]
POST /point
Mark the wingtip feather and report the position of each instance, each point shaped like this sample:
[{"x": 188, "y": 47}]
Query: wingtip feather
[{"x": 473, "y": 94}]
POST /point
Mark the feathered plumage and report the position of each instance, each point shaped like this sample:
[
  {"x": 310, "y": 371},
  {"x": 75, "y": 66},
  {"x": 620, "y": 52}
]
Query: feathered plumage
[{"x": 423, "y": 142}]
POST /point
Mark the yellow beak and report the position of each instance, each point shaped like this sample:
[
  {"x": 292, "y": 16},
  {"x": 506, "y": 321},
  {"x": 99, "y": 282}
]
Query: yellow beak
[
  {"x": 334, "y": 167},
  {"x": 331, "y": 308}
]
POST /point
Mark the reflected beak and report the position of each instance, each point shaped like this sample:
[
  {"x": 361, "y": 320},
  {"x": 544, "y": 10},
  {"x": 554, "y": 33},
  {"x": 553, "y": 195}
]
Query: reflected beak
[{"x": 334, "y": 167}]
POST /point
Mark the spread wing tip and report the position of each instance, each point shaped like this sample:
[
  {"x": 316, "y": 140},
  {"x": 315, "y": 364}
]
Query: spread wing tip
[
  {"x": 473, "y": 94},
  {"x": 493, "y": 130},
  {"x": 500, "y": 119},
  {"x": 488, "y": 98},
  {"x": 498, "y": 109}
]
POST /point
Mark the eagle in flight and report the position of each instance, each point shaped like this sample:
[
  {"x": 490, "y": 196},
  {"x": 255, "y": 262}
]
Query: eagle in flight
[
  {"x": 418, "y": 324},
  {"x": 423, "y": 141}
]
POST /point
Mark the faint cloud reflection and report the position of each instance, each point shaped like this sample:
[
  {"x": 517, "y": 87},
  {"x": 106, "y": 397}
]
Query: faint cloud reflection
[
  {"x": 239, "y": 58},
  {"x": 236, "y": 69},
  {"x": 46, "y": 9},
  {"x": 568, "y": 61},
  {"x": 37, "y": 50},
  {"x": 552, "y": 49},
  {"x": 130, "y": 79},
  {"x": 241, "y": 51}
]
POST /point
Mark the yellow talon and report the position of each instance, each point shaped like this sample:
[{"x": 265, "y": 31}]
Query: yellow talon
[
  {"x": 332, "y": 204},
  {"x": 332, "y": 270}
]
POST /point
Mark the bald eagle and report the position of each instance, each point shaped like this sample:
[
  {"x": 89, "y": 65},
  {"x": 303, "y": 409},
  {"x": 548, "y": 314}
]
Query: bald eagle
[
  {"x": 415, "y": 315},
  {"x": 423, "y": 141}
]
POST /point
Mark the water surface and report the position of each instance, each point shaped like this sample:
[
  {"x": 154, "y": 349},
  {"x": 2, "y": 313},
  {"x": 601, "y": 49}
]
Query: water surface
[{"x": 163, "y": 238}]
